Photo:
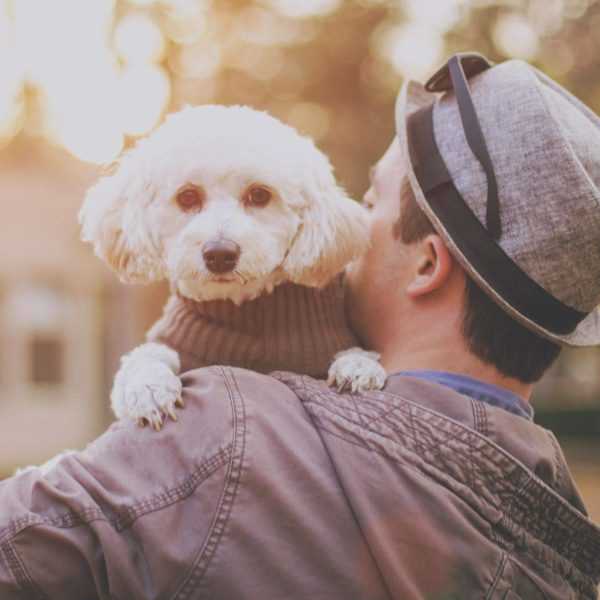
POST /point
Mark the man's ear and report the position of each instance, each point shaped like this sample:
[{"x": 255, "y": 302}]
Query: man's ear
[
  {"x": 333, "y": 232},
  {"x": 113, "y": 218},
  {"x": 432, "y": 266}
]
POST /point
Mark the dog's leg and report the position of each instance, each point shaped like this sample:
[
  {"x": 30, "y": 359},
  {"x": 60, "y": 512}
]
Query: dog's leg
[
  {"x": 357, "y": 370},
  {"x": 147, "y": 387}
]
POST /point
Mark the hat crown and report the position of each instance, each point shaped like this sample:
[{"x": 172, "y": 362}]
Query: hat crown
[{"x": 545, "y": 149}]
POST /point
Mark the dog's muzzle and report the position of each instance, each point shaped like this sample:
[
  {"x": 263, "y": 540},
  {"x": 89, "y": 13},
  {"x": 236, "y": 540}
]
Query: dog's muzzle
[{"x": 221, "y": 256}]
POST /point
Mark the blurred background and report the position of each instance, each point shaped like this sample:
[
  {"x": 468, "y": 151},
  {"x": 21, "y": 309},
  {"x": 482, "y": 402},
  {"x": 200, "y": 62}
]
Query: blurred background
[{"x": 80, "y": 80}]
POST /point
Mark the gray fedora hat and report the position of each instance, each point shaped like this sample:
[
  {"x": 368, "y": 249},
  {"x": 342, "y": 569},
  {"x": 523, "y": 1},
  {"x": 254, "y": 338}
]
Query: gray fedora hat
[{"x": 506, "y": 165}]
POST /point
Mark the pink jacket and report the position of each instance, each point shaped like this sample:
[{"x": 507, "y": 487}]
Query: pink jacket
[{"x": 284, "y": 489}]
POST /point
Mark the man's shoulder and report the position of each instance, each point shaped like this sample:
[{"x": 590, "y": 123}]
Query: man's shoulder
[
  {"x": 154, "y": 480},
  {"x": 252, "y": 385},
  {"x": 219, "y": 392},
  {"x": 217, "y": 402}
]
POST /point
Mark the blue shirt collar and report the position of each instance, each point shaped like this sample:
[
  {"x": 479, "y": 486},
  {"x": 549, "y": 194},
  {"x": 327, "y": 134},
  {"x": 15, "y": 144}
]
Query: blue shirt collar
[{"x": 474, "y": 388}]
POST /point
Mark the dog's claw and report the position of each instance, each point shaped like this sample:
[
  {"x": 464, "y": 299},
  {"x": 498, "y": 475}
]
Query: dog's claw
[
  {"x": 142, "y": 422},
  {"x": 342, "y": 385},
  {"x": 179, "y": 402},
  {"x": 156, "y": 419},
  {"x": 171, "y": 413}
]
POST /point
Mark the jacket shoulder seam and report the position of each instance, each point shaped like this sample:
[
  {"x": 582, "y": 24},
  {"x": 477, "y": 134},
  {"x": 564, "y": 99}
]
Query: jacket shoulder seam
[
  {"x": 229, "y": 493},
  {"x": 433, "y": 439}
]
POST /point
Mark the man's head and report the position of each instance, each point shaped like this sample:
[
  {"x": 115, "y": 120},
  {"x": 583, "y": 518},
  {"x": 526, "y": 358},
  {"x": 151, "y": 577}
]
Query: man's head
[
  {"x": 409, "y": 290},
  {"x": 486, "y": 220}
]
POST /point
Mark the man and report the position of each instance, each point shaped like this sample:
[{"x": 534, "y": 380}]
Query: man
[{"x": 440, "y": 486}]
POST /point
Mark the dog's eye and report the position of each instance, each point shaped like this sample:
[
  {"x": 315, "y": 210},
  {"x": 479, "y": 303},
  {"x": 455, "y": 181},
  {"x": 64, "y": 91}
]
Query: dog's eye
[
  {"x": 190, "y": 199},
  {"x": 257, "y": 195}
]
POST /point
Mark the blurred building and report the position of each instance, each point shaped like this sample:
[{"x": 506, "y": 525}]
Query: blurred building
[{"x": 64, "y": 319}]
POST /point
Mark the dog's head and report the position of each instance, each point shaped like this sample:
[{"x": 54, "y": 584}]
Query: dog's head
[{"x": 225, "y": 202}]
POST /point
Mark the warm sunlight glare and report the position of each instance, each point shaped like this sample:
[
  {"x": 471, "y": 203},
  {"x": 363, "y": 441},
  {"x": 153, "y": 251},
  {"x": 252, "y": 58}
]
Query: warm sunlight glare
[
  {"x": 144, "y": 94},
  {"x": 139, "y": 40},
  {"x": 413, "y": 49},
  {"x": 305, "y": 8}
]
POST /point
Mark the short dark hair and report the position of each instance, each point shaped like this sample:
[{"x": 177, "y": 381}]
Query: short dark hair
[{"x": 491, "y": 334}]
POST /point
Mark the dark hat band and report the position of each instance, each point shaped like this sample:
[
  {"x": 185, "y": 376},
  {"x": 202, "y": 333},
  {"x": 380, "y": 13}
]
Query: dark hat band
[{"x": 471, "y": 238}]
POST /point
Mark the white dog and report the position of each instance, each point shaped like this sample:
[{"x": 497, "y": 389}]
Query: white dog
[{"x": 244, "y": 217}]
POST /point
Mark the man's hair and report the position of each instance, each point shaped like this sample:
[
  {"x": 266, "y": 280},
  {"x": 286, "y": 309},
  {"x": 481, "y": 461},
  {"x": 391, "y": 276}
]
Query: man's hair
[{"x": 491, "y": 334}]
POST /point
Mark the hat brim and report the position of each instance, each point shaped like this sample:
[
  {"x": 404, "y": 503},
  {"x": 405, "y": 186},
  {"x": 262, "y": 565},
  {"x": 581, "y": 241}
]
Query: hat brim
[{"x": 412, "y": 97}]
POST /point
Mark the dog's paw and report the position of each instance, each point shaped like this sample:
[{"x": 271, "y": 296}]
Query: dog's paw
[
  {"x": 357, "y": 370},
  {"x": 146, "y": 394}
]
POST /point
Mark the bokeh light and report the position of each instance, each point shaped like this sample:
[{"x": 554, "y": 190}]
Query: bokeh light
[
  {"x": 130, "y": 61},
  {"x": 441, "y": 14},
  {"x": 305, "y": 8},
  {"x": 142, "y": 2},
  {"x": 144, "y": 94},
  {"x": 138, "y": 39},
  {"x": 201, "y": 60},
  {"x": 12, "y": 117},
  {"x": 412, "y": 49},
  {"x": 262, "y": 27},
  {"x": 309, "y": 118},
  {"x": 516, "y": 37},
  {"x": 185, "y": 20}
]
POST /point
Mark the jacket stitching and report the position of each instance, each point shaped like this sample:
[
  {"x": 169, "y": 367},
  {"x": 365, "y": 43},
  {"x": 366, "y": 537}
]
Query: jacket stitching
[
  {"x": 128, "y": 515},
  {"x": 485, "y": 426},
  {"x": 577, "y": 529},
  {"x": 557, "y": 464},
  {"x": 314, "y": 418},
  {"x": 173, "y": 495},
  {"x": 228, "y": 495},
  {"x": 434, "y": 447},
  {"x": 479, "y": 417},
  {"x": 514, "y": 562},
  {"x": 499, "y": 530},
  {"x": 358, "y": 412},
  {"x": 420, "y": 447},
  {"x": 378, "y": 417},
  {"x": 499, "y": 573},
  {"x": 20, "y": 573}
]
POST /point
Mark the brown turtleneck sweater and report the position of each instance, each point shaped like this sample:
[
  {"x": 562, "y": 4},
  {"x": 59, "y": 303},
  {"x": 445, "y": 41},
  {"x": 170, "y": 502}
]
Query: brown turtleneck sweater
[{"x": 295, "y": 328}]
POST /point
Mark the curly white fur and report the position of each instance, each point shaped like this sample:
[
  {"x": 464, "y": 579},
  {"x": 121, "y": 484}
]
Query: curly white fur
[
  {"x": 357, "y": 370},
  {"x": 307, "y": 233},
  {"x": 147, "y": 385}
]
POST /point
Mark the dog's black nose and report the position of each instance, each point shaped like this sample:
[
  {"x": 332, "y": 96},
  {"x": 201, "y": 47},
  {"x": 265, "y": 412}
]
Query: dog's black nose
[{"x": 220, "y": 256}]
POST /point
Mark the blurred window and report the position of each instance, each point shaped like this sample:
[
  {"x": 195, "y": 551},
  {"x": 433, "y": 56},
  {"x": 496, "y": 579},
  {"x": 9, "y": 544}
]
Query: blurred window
[
  {"x": 46, "y": 354},
  {"x": 36, "y": 314}
]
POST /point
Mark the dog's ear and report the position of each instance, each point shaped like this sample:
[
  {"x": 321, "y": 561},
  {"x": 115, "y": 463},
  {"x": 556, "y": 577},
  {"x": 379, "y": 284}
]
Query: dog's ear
[
  {"x": 113, "y": 218},
  {"x": 333, "y": 232}
]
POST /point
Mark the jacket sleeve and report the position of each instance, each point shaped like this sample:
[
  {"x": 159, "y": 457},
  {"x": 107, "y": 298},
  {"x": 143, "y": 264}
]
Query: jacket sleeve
[{"x": 127, "y": 516}]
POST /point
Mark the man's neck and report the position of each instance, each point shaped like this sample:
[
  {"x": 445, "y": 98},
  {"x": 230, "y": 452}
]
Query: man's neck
[{"x": 450, "y": 355}]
